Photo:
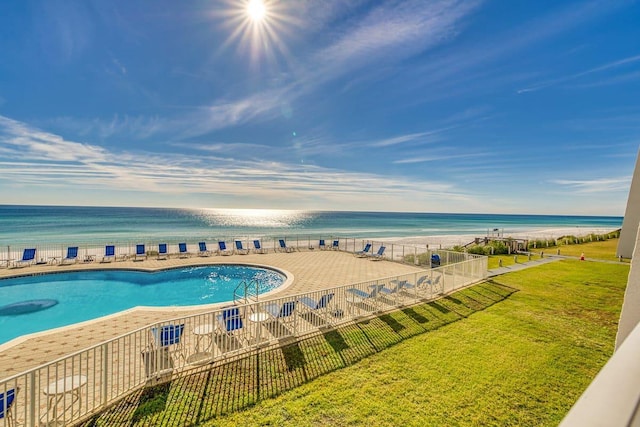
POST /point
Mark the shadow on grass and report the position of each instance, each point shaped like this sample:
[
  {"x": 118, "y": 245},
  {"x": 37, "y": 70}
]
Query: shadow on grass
[{"x": 221, "y": 388}]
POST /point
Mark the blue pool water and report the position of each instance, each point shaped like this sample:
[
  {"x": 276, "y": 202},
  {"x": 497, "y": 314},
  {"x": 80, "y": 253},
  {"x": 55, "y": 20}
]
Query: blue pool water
[{"x": 87, "y": 295}]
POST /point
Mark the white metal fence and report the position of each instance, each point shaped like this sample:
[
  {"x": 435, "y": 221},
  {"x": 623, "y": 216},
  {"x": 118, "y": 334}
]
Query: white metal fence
[
  {"x": 68, "y": 389},
  {"x": 11, "y": 255}
]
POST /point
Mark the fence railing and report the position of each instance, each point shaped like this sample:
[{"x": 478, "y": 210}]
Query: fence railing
[
  {"x": 11, "y": 255},
  {"x": 68, "y": 389}
]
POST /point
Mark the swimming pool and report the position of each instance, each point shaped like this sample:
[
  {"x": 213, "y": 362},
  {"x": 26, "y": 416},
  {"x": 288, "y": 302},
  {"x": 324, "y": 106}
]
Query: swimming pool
[{"x": 36, "y": 303}]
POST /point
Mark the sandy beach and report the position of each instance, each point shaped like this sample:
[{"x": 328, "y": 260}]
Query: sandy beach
[{"x": 448, "y": 241}]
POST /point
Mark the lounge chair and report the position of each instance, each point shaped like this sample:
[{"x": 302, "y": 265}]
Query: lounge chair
[
  {"x": 398, "y": 286},
  {"x": 362, "y": 295},
  {"x": 318, "y": 313},
  {"x": 283, "y": 312},
  {"x": 314, "y": 305},
  {"x": 257, "y": 247},
  {"x": 364, "y": 252},
  {"x": 141, "y": 253},
  {"x": 433, "y": 283},
  {"x": 335, "y": 245},
  {"x": 231, "y": 325},
  {"x": 355, "y": 297},
  {"x": 239, "y": 249},
  {"x": 284, "y": 247},
  {"x": 378, "y": 255},
  {"x": 222, "y": 249},
  {"x": 182, "y": 251},
  {"x": 72, "y": 255},
  {"x": 109, "y": 253},
  {"x": 162, "y": 251},
  {"x": 321, "y": 245},
  {"x": 169, "y": 338},
  {"x": 28, "y": 258},
  {"x": 202, "y": 249},
  {"x": 6, "y": 406}
]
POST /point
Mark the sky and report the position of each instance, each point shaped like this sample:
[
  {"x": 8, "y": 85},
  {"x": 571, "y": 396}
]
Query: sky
[{"x": 422, "y": 106}]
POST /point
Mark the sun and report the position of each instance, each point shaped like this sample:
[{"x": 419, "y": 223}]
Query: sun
[
  {"x": 256, "y": 10},
  {"x": 259, "y": 27}
]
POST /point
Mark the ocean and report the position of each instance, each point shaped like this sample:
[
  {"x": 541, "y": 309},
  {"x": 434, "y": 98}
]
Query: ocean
[{"x": 74, "y": 224}]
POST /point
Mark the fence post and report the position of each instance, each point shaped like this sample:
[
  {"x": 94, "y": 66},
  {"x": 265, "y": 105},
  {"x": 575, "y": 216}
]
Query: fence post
[
  {"x": 257, "y": 375},
  {"x": 105, "y": 372},
  {"x": 32, "y": 399}
]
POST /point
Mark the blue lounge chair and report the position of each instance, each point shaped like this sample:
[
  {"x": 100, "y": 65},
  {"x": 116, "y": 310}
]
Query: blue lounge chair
[
  {"x": 239, "y": 249},
  {"x": 321, "y": 245},
  {"x": 222, "y": 249},
  {"x": 182, "y": 251},
  {"x": 364, "y": 252},
  {"x": 432, "y": 283},
  {"x": 231, "y": 325},
  {"x": 284, "y": 247},
  {"x": 355, "y": 297},
  {"x": 169, "y": 338},
  {"x": 362, "y": 295},
  {"x": 282, "y": 312},
  {"x": 314, "y": 305},
  {"x": 398, "y": 286},
  {"x": 378, "y": 255},
  {"x": 72, "y": 255},
  {"x": 28, "y": 258},
  {"x": 6, "y": 406},
  {"x": 257, "y": 247},
  {"x": 335, "y": 245},
  {"x": 109, "y": 253},
  {"x": 141, "y": 253},
  {"x": 202, "y": 249},
  {"x": 162, "y": 251}
]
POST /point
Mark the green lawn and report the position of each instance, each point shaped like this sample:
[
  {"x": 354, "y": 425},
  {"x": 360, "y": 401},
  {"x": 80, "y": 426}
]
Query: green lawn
[
  {"x": 517, "y": 350},
  {"x": 601, "y": 250}
]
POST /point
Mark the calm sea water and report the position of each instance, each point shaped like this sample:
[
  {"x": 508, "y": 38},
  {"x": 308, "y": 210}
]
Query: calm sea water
[{"x": 66, "y": 224}]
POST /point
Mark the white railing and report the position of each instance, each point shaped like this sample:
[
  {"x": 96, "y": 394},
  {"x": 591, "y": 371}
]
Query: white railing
[
  {"x": 10, "y": 255},
  {"x": 68, "y": 389}
]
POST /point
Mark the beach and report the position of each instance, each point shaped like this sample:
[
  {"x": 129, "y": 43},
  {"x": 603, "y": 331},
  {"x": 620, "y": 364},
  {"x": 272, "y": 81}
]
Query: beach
[{"x": 448, "y": 241}]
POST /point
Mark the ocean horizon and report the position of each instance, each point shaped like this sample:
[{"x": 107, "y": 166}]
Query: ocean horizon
[{"x": 93, "y": 224}]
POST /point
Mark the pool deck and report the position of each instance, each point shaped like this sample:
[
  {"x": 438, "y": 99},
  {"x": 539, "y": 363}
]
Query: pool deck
[{"x": 311, "y": 270}]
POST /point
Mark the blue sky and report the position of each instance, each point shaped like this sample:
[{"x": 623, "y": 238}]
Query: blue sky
[{"x": 431, "y": 106}]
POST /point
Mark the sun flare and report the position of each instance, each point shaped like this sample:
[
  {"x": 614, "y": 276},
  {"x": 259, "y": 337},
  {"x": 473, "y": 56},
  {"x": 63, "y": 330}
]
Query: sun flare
[
  {"x": 259, "y": 27},
  {"x": 256, "y": 10}
]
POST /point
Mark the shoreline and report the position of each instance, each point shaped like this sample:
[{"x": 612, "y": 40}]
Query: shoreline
[{"x": 450, "y": 240}]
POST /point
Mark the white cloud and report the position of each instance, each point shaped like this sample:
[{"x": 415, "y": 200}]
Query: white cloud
[
  {"x": 601, "y": 185},
  {"x": 40, "y": 159}
]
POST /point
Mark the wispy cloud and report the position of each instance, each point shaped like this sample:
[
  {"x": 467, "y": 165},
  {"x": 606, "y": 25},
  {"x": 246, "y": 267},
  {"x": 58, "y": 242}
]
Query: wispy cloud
[
  {"x": 420, "y": 137},
  {"x": 463, "y": 69},
  {"x": 391, "y": 32},
  {"x": 601, "y": 185},
  {"x": 34, "y": 157},
  {"x": 434, "y": 158},
  {"x": 564, "y": 79}
]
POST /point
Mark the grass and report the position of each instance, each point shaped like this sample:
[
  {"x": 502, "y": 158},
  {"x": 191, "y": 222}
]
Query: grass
[
  {"x": 517, "y": 350},
  {"x": 600, "y": 250}
]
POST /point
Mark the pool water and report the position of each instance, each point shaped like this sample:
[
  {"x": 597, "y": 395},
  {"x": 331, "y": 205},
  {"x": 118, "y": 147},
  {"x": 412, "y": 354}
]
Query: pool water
[{"x": 87, "y": 295}]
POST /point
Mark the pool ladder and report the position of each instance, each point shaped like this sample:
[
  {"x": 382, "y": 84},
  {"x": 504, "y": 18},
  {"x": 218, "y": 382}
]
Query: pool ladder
[{"x": 246, "y": 291}]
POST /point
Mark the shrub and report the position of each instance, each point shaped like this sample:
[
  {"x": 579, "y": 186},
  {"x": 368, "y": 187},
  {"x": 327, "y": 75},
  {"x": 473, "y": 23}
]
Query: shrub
[
  {"x": 478, "y": 250},
  {"x": 499, "y": 248}
]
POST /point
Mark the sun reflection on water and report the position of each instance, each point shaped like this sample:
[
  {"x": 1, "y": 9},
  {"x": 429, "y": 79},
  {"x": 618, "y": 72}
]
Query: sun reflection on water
[{"x": 253, "y": 218}]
